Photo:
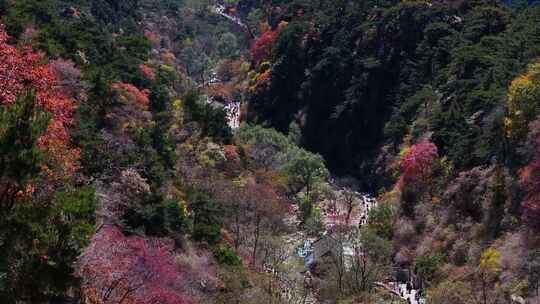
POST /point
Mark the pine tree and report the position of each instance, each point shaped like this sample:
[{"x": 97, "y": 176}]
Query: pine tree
[{"x": 498, "y": 200}]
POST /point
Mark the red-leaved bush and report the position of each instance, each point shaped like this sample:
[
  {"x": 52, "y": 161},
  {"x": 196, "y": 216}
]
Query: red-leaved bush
[
  {"x": 24, "y": 70},
  {"x": 417, "y": 164},
  {"x": 530, "y": 181},
  {"x": 147, "y": 71},
  {"x": 153, "y": 37},
  {"x": 136, "y": 270},
  {"x": 130, "y": 93},
  {"x": 261, "y": 49}
]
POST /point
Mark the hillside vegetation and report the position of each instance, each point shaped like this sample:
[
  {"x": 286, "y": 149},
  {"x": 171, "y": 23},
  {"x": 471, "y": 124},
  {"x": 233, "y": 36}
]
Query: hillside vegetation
[{"x": 285, "y": 151}]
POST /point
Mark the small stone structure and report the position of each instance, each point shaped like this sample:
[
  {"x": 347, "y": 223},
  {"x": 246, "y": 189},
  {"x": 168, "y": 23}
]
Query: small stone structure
[{"x": 324, "y": 246}]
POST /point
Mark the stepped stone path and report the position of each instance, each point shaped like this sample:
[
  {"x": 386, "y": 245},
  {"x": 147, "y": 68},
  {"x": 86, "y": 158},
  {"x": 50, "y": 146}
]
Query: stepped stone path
[
  {"x": 359, "y": 217},
  {"x": 221, "y": 10}
]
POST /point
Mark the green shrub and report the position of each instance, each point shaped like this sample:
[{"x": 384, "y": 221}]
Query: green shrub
[
  {"x": 41, "y": 240},
  {"x": 314, "y": 224},
  {"x": 163, "y": 218},
  {"x": 210, "y": 233},
  {"x": 225, "y": 255},
  {"x": 206, "y": 217},
  {"x": 427, "y": 266},
  {"x": 212, "y": 119},
  {"x": 381, "y": 220}
]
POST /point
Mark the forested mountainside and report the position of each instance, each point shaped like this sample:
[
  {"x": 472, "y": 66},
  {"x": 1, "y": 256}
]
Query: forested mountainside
[
  {"x": 354, "y": 77},
  {"x": 284, "y": 151}
]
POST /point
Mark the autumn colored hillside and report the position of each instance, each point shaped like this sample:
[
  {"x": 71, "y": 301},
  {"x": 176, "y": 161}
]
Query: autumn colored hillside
[{"x": 285, "y": 151}]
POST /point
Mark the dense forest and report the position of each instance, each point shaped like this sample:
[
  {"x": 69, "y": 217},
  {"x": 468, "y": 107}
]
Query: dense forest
[{"x": 283, "y": 151}]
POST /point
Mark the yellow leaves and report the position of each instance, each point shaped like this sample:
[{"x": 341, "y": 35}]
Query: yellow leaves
[
  {"x": 178, "y": 104},
  {"x": 397, "y": 163},
  {"x": 260, "y": 77},
  {"x": 240, "y": 182},
  {"x": 252, "y": 75},
  {"x": 508, "y": 123},
  {"x": 520, "y": 83},
  {"x": 404, "y": 151},
  {"x": 211, "y": 154},
  {"x": 490, "y": 261},
  {"x": 264, "y": 66},
  {"x": 167, "y": 68},
  {"x": 519, "y": 93},
  {"x": 245, "y": 67},
  {"x": 523, "y": 97},
  {"x": 282, "y": 25},
  {"x": 446, "y": 165},
  {"x": 187, "y": 147},
  {"x": 534, "y": 68},
  {"x": 391, "y": 197},
  {"x": 184, "y": 206},
  {"x": 178, "y": 113}
]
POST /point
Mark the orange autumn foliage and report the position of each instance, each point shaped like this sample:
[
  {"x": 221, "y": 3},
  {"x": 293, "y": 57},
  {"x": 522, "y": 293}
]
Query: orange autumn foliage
[
  {"x": 233, "y": 166},
  {"x": 262, "y": 47},
  {"x": 130, "y": 93},
  {"x": 265, "y": 77},
  {"x": 23, "y": 70}
]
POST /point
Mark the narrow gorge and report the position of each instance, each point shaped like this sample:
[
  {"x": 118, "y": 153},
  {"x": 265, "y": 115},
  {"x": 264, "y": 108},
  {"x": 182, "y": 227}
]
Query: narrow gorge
[{"x": 284, "y": 151}]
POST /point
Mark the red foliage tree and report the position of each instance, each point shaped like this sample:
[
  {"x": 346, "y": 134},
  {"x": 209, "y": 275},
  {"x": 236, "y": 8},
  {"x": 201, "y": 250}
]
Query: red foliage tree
[
  {"x": 23, "y": 70},
  {"x": 147, "y": 71},
  {"x": 530, "y": 180},
  {"x": 261, "y": 48},
  {"x": 120, "y": 269},
  {"x": 130, "y": 93},
  {"x": 233, "y": 166},
  {"x": 417, "y": 164},
  {"x": 153, "y": 37}
]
